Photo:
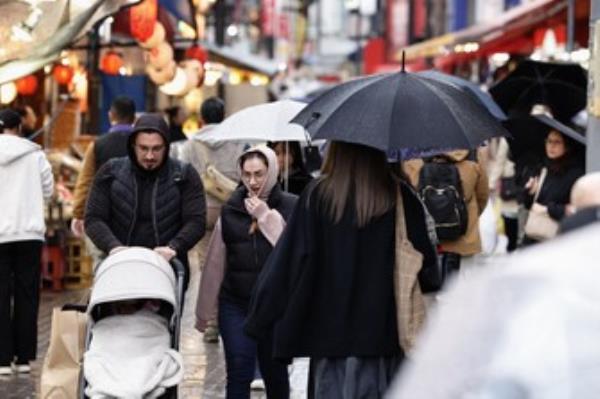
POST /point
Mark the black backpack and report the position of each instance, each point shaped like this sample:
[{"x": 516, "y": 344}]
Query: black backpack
[{"x": 440, "y": 189}]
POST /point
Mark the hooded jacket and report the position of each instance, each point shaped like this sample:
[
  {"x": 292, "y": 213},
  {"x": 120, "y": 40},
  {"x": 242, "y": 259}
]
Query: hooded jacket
[
  {"x": 129, "y": 205},
  {"x": 476, "y": 191},
  {"x": 26, "y": 180}
]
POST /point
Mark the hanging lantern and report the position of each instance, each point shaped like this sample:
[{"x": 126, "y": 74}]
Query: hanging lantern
[
  {"x": 111, "y": 63},
  {"x": 27, "y": 86},
  {"x": 62, "y": 74},
  {"x": 160, "y": 55},
  {"x": 197, "y": 53},
  {"x": 161, "y": 75},
  {"x": 142, "y": 19},
  {"x": 194, "y": 71},
  {"x": 177, "y": 86},
  {"x": 8, "y": 92},
  {"x": 158, "y": 36}
]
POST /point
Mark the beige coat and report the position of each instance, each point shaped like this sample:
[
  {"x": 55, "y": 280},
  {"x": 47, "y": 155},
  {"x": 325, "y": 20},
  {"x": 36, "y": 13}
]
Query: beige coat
[{"x": 475, "y": 188}]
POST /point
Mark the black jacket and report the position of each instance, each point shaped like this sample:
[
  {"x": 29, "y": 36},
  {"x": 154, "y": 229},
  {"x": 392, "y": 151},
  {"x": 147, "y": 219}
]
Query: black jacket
[
  {"x": 247, "y": 253},
  {"x": 177, "y": 207},
  {"x": 297, "y": 181},
  {"x": 327, "y": 289},
  {"x": 556, "y": 189},
  {"x": 111, "y": 145}
]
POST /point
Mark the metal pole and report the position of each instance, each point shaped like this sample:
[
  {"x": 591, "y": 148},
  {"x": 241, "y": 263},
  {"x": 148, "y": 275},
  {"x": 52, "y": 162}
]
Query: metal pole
[
  {"x": 593, "y": 106},
  {"x": 571, "y": 26}
]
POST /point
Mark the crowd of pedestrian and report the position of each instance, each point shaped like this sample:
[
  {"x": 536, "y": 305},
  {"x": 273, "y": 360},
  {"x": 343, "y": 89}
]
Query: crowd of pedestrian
[{"x": 299, "y": 264}]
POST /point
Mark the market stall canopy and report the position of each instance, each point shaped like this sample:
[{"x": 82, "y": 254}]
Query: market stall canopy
[
  {"x": 506, "y": 28},
  {"x": 33, "y": 33},
  {"x": 246, "y": 60}
]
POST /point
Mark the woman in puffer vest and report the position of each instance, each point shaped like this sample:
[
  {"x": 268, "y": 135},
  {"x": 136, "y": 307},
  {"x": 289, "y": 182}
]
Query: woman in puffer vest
[{"x": 250, "y": 224}]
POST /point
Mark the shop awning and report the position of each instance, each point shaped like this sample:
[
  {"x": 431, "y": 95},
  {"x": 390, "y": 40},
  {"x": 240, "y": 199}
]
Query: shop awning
[
  {"x": 506, "y": 28},
  {"x": 242, "y": 59},
  {"x": 42, "y": 43}
]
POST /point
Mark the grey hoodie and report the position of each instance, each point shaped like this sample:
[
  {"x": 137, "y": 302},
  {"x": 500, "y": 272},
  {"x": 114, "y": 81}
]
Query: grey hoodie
[{"x": 26, "y": 180}]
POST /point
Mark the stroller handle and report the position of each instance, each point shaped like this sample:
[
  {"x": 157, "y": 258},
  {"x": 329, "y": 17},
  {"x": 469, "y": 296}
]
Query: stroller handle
[{"x": 178, "y": 267}]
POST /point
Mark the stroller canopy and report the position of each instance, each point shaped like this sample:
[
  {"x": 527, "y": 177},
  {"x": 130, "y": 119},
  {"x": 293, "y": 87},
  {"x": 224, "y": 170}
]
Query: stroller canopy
[{"x": 133, "y": 273}]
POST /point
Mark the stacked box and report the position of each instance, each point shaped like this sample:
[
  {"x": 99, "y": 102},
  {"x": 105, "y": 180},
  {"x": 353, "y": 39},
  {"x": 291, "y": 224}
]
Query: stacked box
[{"x": 78, "y": 265}]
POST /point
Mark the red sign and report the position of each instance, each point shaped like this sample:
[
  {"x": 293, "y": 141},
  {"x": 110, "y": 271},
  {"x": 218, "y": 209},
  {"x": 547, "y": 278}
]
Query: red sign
[{"x": 268, "y": 17}]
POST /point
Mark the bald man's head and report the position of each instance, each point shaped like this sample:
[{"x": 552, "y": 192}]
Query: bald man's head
[{"x": 586, "y": 191}]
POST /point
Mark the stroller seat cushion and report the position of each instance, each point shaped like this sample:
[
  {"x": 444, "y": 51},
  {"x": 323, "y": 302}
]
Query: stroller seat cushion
[{"x": 130, "y": 356}]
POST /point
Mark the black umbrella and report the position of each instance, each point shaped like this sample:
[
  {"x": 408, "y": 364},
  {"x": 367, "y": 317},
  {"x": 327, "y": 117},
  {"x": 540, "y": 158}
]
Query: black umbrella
[
  {"x": 561, "y": 86},
  {"x": 399, "y": 111},
  {"x": 470, "y": 87},
  {"x": 529, "y": 132}
]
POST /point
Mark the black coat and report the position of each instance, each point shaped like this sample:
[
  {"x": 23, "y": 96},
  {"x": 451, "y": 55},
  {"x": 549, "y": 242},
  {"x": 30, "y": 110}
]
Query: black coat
[
  {"x": 247, "y": 252},
  {"x": 327, "y": 288},
  {"x": 175, "y": 206},
  {"x": 556, "y": 189}
]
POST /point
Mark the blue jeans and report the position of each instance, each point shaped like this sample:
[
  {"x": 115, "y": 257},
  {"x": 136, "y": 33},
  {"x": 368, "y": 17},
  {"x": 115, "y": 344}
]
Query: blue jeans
[{"x": 241, "y": 352}]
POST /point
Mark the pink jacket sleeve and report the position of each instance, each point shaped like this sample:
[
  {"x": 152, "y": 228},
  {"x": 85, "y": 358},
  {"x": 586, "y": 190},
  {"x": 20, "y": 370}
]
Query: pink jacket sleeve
[
  {"x": 271, "y": 224},
  {"x": 212, "y": 277}
]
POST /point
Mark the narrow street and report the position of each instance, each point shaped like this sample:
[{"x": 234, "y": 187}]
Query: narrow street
[{"x": 204, "y": 363}]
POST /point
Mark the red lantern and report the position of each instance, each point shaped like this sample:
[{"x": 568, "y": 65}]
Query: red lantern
[
  {"x": 111, "y": 63},
  {"x": 197, "y": 53},
  {"x": 142, "y": 19},
  {"x": 62, "y": 74},
  {"x": 26, "y": 86}
]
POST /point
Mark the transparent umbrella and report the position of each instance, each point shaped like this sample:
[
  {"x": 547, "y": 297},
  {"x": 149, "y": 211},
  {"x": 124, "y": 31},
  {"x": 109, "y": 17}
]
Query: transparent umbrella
[{"x": 525, "y": 327}]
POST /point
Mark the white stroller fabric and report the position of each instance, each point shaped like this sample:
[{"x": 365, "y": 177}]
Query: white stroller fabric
[
  {"x": 132, "y": 274},
  {"x": 130, "y": 357}
]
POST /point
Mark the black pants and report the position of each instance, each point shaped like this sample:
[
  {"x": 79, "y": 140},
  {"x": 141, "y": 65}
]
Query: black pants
[
  {"x": 19, "y": 300},
  {"x": 511, "y": 228},
  {"x": 450, "y": 262}
]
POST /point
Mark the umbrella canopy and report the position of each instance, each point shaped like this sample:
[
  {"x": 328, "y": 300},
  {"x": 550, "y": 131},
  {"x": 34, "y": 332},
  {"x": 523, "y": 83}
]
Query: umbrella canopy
[
  {"x": 525, "y": 326},
  {"x": 264, "y": 122},
  {"x": 399, "y": 111},
  {"x": 482, "y": 96},
  {"x": 561, "y": 86},
  {"x": 529, "y": 132}
]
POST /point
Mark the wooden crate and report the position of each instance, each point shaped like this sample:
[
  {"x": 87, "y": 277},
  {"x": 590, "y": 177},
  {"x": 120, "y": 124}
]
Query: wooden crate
[{"x": 78, "y": 265}]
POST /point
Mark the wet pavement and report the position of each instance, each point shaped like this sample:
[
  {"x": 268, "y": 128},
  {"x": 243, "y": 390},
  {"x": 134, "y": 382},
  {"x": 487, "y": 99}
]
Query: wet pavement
[{"x": 204, "y": 362}]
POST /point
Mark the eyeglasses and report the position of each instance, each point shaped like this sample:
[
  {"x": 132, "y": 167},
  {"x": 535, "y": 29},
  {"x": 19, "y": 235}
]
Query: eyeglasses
[
  {"x": 554, "y": 142},
  {"x": 146, "y": 150}
]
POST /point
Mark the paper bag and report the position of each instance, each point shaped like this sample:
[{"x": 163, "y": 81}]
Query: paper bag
[{"x": 63, "y": 361}]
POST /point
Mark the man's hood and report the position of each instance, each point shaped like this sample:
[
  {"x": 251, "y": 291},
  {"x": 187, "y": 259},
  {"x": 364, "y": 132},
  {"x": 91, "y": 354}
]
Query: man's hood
[
  {"x": 13, "y": 148},
  {"x": 131, "y": 141}
]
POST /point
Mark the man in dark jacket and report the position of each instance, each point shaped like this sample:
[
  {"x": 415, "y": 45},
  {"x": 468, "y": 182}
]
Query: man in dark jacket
[
  {"x": 110, "y": 145},
  {"x": 147, "y": 199}
]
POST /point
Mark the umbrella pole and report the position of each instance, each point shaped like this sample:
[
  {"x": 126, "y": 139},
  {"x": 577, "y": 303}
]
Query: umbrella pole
[{"x": 287, "y": 168}]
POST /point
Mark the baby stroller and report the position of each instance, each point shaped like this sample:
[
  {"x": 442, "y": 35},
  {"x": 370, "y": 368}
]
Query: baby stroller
[{"x": 132, "y": 336}]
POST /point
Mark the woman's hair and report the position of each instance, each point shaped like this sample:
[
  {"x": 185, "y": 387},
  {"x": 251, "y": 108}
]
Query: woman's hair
[
  {"x": 562, "y": 164},
  {"x": 360, "y": 174},
  {"x": 251, "y": 155},
  {"x": 294, "y": 150}
]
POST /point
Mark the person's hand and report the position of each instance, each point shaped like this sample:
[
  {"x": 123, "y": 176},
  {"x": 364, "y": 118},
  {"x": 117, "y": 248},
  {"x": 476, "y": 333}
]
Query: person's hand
[
  {"x": 77, "y": 227},
  {"x": 256, "y": 207},
  {"x": 166, "y": 252},
  {"x": 117, "y": 249},
  {"x": 532, "y": 185}
]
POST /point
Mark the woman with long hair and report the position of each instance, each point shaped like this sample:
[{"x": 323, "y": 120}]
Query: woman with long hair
[{"x": 327, "y": 288}]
